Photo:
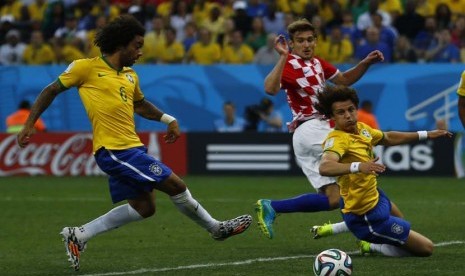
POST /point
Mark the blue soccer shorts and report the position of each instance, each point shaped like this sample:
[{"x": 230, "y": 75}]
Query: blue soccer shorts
[
  {"x": 377, "y": 225},
  {"x": 132, "y": 171}
]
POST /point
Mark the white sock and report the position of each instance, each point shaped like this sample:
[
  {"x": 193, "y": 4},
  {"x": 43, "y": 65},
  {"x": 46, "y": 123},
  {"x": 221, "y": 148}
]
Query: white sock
[
  {"x": 389, "y": 250},
  {"x": 191, "y": 208},
  {"x": 340, "y": 227},
  {"x": 115, "y": 218}
]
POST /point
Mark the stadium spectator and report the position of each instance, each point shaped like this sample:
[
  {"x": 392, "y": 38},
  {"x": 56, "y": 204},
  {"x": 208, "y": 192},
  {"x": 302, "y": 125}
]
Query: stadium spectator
[
  {"x": 349, "y": 28},
  {"x": 255, "y": 8},
  {"x": 443, "y": 16},
  {"x": 426, "y": 8},
  {"x": 11, "y": 53},
  {"x": 365, "y": 208},
  {"x": 70, "y": 30},
  {"x": 65, "y": 51},
  {"x": 364, "y": 20},
  {"x": 409, "y": 23},
  {"x": 458, "y": 32},
  {"x": 214, "y": 23},
  {"x": 403, "y": 51},
  {"x": 224, "y": 39},
  {"x": 179, "y": 17},
  {"x": 105, "y": 8},
  {"x": 273, "y": 21},
  {"x": 242, "y": 21},
  {"x": 336, "y": 48},
  {"x": 230, "y": 121},
  {"x": 91, "y": 49},
  {"x": 153, "y": 40},
  {"x": 256, "y": 38},
  {"x": 54, "y": 18},
  {"x": 365, "y": 115},
  {"x": 426, "y": 38},
  {"x": 172, "y": 51},
  {"x": 461, "y": 95},
  {"x": 37, "y": 10},
  {"x": 237, "y": 52},
  {"x": 371, "y": 43},
  {"x": 204, "y": 51},
  {"x": 12, "y": 8},
  {"x": 387, "y": 34},
  {"x": 117, "y": 149},
  {"x": 295, "y": 73},
  {"x": 266, "y": 55},
  {"x": 16, "y": 121},
  {"x": 271, "y": 120},
  {"x": 393, "y": 7},
  {"x": 443, "y": 50},
  {"x": 190, "y": 35},
  {"x": 38, "y": 52}
]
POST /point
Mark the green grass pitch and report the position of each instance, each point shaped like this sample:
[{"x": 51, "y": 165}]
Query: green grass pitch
[{"x": 34, "y": 209}]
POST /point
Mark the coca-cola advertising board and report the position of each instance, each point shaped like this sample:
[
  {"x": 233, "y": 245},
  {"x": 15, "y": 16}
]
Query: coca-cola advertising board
[{"x": 70, "y": 154}]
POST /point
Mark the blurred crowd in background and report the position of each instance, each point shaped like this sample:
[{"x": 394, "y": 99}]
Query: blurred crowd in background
[{"x": 235, "y": 32}]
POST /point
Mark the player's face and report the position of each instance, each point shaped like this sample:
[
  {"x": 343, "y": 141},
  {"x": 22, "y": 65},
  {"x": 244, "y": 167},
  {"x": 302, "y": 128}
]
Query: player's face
[
  {"x": 131, "y": 53},
  {"x": 345, "y": 116},
  {"x": 303, "y": 44}
]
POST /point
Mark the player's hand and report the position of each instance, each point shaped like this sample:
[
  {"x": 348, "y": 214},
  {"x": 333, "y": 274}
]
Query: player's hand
[
  {"x": 433, "y": 134},
  {"x": 173, "y": 132},
  {"x": 24, "y": 136},
  {"x": 374, "y": 57},
  {"x": 371, "y": 167},
  {"x": 281, "y": 46}
]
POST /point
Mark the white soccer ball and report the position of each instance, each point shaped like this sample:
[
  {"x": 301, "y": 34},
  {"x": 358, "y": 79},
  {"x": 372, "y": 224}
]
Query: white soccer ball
[{"x": 332, "y": 262}]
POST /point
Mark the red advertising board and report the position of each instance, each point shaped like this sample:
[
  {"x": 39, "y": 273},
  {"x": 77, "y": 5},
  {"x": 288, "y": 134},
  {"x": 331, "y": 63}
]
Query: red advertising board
[{"x": 70, "y": 154}]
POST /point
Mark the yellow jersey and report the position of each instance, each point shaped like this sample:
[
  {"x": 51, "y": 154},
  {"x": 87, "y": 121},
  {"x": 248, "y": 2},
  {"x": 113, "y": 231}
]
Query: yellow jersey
[
  {"x": 461, "y": 89},
  {"x": 358, "y": 190},
  {"x": 205, "y": 54},
  {"x": 244, "y": 54},
  {"x": 108, "y": 96}
]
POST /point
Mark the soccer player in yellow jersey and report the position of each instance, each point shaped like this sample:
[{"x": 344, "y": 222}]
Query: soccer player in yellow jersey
[
  {"x": 461, "y": 93},
  {"x": 348, "y": 155},
  {"x": 110, "y": 92}
]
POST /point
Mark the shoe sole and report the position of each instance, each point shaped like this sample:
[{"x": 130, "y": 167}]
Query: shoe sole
[
  {"x": 72, "y": 250},
  {"x": 261, "y": 222}
]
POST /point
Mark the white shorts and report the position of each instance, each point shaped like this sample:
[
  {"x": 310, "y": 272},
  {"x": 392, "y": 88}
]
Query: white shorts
[{"x": 307, "y": 142}]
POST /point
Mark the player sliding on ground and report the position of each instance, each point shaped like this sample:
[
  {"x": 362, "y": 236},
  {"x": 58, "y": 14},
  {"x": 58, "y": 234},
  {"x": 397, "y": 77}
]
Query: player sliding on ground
[
  {"x": 348, "y": 154},
  {"x": 110, "y": 92}
]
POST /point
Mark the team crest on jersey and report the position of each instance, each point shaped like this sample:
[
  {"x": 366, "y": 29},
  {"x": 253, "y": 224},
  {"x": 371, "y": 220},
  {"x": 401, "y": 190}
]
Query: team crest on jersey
[
  {"x": 130, "y": 78},
  {"x": 397, "y": 229},
  {"x": 155, "y": 169},
  {"x": 329, "y": 143},
  {"x": 366, "y": 133}
]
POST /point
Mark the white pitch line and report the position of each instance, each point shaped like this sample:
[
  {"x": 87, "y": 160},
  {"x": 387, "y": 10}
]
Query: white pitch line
[{"x": 245, "y": 262}]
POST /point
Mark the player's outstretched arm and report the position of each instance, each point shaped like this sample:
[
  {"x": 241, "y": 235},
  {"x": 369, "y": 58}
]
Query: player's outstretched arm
[
  {"x": 42, "y": 102},
  {"x": 392, "y": 138},
  {"x": 352, "y": 75}
]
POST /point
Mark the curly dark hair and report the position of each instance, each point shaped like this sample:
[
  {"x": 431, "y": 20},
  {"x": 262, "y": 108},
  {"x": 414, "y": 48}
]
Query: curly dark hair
[
  {"x": 118, "y": 33},
  {"x": 300, "y": 25},
  {"x": 332, "y": 94}
]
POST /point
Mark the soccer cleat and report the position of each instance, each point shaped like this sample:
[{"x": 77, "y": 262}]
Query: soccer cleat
[
  {"x": 73, "y": 246},
  {"x": 266, "y": 215},
  {"x": 232, "y": 227},
  {"x": 321, "y": 231},
  {"x": 364, "y": 247}
]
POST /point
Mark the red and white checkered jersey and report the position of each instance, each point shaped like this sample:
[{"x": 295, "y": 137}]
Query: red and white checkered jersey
[{"x": 302, "y": 80}]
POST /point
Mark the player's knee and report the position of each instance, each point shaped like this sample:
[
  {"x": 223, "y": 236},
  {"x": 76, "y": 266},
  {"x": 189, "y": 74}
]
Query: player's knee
[{"x": 427, "y": 249}]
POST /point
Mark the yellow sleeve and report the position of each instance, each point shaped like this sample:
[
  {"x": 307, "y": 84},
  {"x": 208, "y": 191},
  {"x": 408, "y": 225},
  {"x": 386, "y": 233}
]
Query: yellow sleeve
[
  {"x": 461, "y": 89},
  {"x": 75, "y": 74},
  {"x": 336, "y": 143},
  {"x": 248, "y": 54}
]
